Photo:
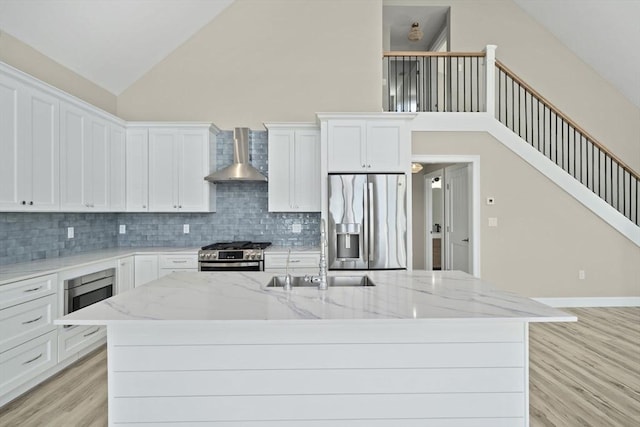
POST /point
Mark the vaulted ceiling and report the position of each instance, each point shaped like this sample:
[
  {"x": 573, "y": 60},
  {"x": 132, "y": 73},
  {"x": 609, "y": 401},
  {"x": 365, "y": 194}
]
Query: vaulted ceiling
[{"x": 114, "y": 42}]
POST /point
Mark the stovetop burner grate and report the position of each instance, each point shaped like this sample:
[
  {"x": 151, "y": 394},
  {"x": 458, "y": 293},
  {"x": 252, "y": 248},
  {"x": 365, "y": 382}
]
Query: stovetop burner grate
[{"x": 239, "y": 245}]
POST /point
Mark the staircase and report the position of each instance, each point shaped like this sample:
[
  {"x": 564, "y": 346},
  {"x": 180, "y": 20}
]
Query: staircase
[{"x": 523, "y": 120}]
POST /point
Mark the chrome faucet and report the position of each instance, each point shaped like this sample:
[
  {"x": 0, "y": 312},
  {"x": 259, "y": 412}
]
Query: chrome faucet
[
  {"x": 321, "y": 278},
  {"x": 287, "y": 276}
]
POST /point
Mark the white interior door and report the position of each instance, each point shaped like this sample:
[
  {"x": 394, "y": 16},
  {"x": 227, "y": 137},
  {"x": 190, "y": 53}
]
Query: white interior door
[{"x": 459, "y": 224}]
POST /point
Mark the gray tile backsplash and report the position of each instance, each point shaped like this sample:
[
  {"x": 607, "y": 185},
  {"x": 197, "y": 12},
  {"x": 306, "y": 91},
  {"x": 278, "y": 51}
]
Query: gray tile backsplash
[{"x": 242, "y": 214}]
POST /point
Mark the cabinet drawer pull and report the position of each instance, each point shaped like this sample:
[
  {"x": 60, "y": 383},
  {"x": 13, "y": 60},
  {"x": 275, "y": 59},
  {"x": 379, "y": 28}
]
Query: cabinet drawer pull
[
  {"x": 91, "y": 333},
  {"x": 294, "y": 260},
  {"x": 32, "y": 321},
  {"x": 33, "y": 289},
  {"x": 32, "y": 360},
  {"x": 178, "y": 261}
]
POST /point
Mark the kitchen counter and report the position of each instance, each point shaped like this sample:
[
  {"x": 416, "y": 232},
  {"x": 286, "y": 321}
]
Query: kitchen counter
[
  {"x": 419, "y": 348},
  {"x": 26, "y": 270},
  {"x": 398, "y": 295}
]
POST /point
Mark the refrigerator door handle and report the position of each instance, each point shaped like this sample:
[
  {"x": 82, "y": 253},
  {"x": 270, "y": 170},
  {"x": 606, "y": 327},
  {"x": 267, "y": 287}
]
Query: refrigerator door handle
[
  {"x": 370, "y": 236},
  {"x": 365, "y": 224}
]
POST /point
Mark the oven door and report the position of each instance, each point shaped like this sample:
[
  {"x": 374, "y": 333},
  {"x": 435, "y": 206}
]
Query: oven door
[{"x": 231, "y": 266}]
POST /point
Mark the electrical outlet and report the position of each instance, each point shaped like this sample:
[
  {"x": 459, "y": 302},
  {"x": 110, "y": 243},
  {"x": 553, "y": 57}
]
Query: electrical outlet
[
  {"x": 123, "y": 229},
  {"x": 493, "y": 222},
  {"x": 491, "y": 200},
  {"x": 185, "y": 228},
  {"x": 582, "y": 275},
  {"x": 296, "y": 228},
  {"x": 70, "y": 233}
]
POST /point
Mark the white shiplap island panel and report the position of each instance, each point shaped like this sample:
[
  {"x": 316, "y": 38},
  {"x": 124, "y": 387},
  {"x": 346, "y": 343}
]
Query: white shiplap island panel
[{"x": 246, "y": 355}]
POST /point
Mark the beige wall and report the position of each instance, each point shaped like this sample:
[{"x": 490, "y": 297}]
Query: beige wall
[
  {"x": 544, "y": 236},
  {"x": 550, "y": 67},
  {"x": 29, "y": 60},
  {"x": 260, "y": 61}
]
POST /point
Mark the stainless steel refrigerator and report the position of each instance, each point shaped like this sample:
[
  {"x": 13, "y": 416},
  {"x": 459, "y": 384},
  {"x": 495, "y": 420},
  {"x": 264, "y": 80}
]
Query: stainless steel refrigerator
[{"x": 367, "y": 222}]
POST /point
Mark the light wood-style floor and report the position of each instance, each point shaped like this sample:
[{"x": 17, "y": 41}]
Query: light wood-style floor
[{"x": 581, "y": 374}]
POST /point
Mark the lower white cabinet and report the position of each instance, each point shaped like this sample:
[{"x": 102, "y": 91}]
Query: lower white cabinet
[
  {"x": 125, "y": 274},
  {"x": 26, "y": 321},
  {"x": 73, "y": 339},
  {"x": 169, "y": 263},
  {"x": 300, "y": 262},
  {"x": 146, "y": 269},
  {"x": 26, "y": 361}
]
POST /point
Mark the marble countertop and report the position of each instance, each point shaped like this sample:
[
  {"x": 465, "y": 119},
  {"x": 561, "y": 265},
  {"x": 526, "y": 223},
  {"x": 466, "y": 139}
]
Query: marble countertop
[
  {"x": 26, "y": 270},
  {"x": 243, "y": 296}
]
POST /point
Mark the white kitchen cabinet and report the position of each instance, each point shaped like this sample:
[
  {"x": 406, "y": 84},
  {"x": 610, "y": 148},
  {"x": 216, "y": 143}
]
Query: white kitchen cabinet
[
  {"x": 167, "y": 264},
  {"x": 179, "y": 157},
  {"x": 368, "y": 146},
  {"x": 86, "y": 160},
  {"x": 125, "y": 274},
  {"x": 27, "y": 335},
  {"x": 74, "y": 339},
  {"x": 300, "y": 262},
  {"x": 294, "y": 168},
  {"x": 146, "y": 269},
  {"x": 29, "y": 143},
  {"x": 117, "y": 168},
  {"x": 137, "y": 170}
]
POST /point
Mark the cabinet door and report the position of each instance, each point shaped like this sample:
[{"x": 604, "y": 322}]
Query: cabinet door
[
  {"x": 43, "y": 119},
  {"x": 384, "y": 150},
  {"x": 346, "y": 146},
  {"x": 306, "y": 171},
  {"x": 10, "y": 168},
  {"x": 137, "y": 170},
  {"x": 125, "y": 274},
  {"x": 281, "y": 159},
  {"x": 73, "y": 153},
  {"x": 117, "y": 166},
  {"x": 146, "y": 269},
  {"x": 193, "y": 161},
  {"x": 163, "y": 172},
  {"x": 96, "y": 171}
]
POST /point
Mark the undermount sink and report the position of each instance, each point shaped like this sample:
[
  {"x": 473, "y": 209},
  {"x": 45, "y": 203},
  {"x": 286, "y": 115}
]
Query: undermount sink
[{"x": 298, "y": 281}]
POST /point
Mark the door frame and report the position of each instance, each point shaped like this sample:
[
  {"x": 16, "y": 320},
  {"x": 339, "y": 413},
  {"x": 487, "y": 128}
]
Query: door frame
[
  {"x": 428, "y": 219},
  {"x": 474, "y": 173}
]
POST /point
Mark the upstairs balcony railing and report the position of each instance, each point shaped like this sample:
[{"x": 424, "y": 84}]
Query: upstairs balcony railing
[
  {"x": 477, "y": 82},
  {"x": 434, "y": 81}
]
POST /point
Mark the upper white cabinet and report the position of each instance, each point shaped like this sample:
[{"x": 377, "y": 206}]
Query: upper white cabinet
[
  {"x": 166, "y": 166},
  {"x": 29, "y": 143},
  {"x": 117, "y": 168},
  {"x": 368, "y": 146},
  {"x": 294, "y": 168}
]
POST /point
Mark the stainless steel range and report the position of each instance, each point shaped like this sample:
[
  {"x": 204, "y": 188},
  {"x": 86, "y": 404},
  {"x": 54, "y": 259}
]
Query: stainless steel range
[{"x": 232, "y": 256}]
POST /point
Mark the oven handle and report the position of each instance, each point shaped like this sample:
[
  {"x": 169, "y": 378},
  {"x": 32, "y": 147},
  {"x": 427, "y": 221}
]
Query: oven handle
[{"x": 230, "y": 264}]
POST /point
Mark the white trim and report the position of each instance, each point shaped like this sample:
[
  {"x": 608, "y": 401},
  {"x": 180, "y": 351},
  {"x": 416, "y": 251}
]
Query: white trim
[
  {"x": 490, "y": 72},
  {"x": 485, "y": 122},
  {"x": 591, "y": 302},
  {"x": 474, "y": 163}
]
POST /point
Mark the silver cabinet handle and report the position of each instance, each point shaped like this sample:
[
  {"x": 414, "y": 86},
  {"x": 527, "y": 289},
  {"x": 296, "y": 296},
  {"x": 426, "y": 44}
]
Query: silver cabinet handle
[
  {"x": 33, "y": 289},
  {"x": 91, "y": 333},
  {"x": 179, "y": 261},
  {"x": 465, "y": 240},
  {"x": 372, "y": 222},
  {"x": 32, "y": 360},
  {"x": 31, "y": 321}
]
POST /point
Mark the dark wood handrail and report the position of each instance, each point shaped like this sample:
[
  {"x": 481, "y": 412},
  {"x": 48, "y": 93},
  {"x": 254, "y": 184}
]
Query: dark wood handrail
[
  {"x": 564, "y": 117},
  {"x": 434, "y": 54}
]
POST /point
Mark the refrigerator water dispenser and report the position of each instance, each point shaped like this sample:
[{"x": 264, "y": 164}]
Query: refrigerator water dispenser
[{"x": 348, "y": 241}]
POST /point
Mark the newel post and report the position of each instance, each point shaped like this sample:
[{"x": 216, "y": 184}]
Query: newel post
[{"x": 490, "y": 73}]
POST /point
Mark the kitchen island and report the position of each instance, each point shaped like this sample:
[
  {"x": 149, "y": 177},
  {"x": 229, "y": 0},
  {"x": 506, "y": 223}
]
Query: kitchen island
[{"x": 417, "y": 349}]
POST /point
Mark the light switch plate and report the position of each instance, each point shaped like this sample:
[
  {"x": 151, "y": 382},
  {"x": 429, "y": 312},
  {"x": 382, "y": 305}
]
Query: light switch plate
[
  {"x": 296, "y": 228},
  {"x": 185, "y": 228},
  {"x": 123, "y": 229},
  {"x": 70, "y": 233},
  {"x": 491, "y": 200},
  {"x": 493, "y": 222}
]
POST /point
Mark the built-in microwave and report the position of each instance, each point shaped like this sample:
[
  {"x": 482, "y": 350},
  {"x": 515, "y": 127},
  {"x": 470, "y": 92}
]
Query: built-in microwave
[{"x": 89, "y": 289}]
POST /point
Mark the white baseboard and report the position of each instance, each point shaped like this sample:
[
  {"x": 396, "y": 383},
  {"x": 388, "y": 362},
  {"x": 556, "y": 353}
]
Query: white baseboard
[{"x": 591, "y": 302}]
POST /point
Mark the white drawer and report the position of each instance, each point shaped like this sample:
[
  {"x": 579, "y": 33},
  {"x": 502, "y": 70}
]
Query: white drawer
[
  {"x": 23, "y": 322},
  {"x": 27, "y": 290},
  {"x": 26, "y": 361},
  {"x": 299, "y": 260},
  {"x": 77, "y": 338},
  {"x": 178, "y": 262}
]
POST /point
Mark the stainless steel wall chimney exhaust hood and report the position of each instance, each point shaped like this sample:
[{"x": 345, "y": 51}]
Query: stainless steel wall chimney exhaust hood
[{"x": 240, "y": 170}]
